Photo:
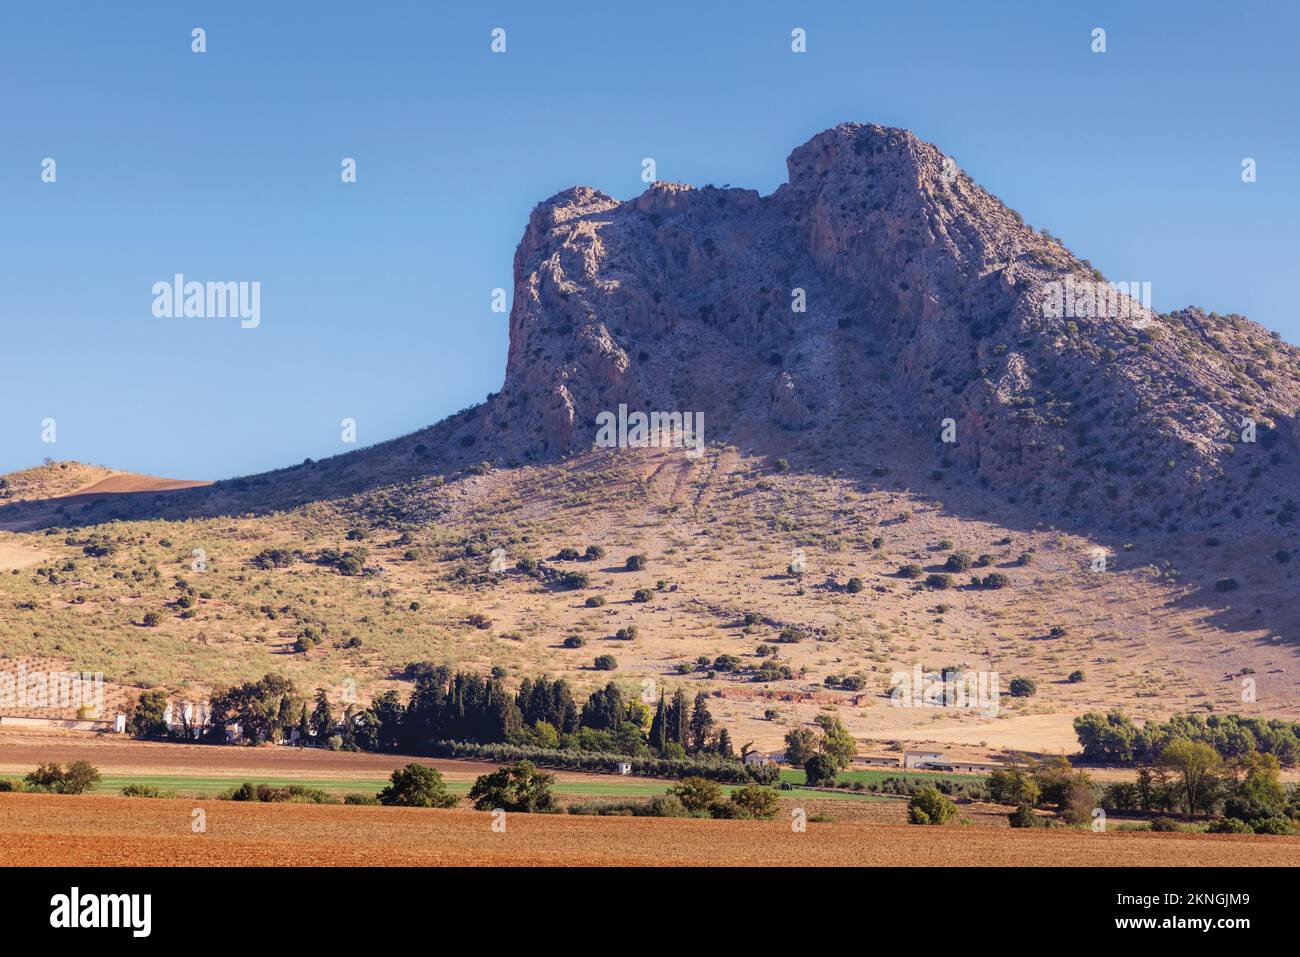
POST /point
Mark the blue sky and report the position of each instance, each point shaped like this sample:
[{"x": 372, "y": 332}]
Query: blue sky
[{"x": 375, "y": 295}]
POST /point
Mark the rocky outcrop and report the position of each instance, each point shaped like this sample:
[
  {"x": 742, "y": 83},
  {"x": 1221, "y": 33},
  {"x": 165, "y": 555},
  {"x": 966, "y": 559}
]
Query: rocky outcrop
[{"x": 881, "y": 261}]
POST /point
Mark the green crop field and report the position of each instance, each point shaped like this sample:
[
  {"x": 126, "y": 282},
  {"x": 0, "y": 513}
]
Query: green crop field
[{"x": 209, "y": 786}]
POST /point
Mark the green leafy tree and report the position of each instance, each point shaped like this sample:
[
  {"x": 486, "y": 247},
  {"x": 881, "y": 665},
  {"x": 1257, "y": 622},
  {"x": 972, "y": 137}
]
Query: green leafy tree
[
  {"x": 820, "y": 769},
  {"x": 697, "y": 794},
  {"x": 836, "y": 741},
  {"x": 800, "y": 745},
  {"x": 1106, "y": 739},
  {"x": 759, "y": 802},
  {"x": 417, "y": 786},
  {"x": 77, "y": 778},
  {"x": 146, "y": 718},
  {"x": 1198, "y": 767},
  {"x": 1260, "y": 794},
  {"x": 517, "y": 787},
  {"x": 1013, "y": 786}
]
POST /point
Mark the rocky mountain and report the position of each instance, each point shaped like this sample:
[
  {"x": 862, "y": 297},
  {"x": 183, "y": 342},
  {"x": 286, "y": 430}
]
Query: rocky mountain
[
  {"x": 925, "y": 296},
  {"x": 879, "y": 291}
]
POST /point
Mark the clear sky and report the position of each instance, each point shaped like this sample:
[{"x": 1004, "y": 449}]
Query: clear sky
[{"x": 375, "y": 300}]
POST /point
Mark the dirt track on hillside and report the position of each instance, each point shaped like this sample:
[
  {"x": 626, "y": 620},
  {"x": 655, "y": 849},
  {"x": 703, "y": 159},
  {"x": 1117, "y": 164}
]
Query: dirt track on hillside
[{"x": 55, "y": 830}]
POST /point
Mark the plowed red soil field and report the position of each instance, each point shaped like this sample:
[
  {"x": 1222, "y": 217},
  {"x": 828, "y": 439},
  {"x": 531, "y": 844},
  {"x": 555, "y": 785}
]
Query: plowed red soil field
[
  {"x": 23, "y": 749},
  {"x": 37, "y": 829}
]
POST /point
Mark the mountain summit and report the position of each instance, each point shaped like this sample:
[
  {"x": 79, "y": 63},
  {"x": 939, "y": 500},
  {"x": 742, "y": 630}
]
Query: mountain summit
[
  {"x": 879, "y": 294},
  {"x": 925, "y": 299}
]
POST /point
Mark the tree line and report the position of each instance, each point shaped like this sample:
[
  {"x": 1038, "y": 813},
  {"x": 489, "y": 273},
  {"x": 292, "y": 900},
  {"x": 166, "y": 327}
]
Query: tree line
[
  {"x": 543, "y": 714},
  {"x": 1113, "y": 738}
]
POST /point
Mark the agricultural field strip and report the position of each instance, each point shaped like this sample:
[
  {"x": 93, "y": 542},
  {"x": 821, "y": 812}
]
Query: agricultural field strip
[{"x": 208, "y": 785}]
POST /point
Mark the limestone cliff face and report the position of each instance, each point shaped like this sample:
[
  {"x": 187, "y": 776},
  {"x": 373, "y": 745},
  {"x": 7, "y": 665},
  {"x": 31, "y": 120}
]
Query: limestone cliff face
[{"x": 914, "y": 283}]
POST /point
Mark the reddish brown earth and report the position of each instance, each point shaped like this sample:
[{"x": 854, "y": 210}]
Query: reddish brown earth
[
  {"x": 23, "y": 749},
  {"x": 54, "y": 830},
  {"x": 128, "y": 482}
]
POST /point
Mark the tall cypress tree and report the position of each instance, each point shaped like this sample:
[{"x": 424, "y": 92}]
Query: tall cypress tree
[
  {"x": 701, "y": 723},
  {"x": 724, "y": 744},
  {"x": 679, "y": 719},
  {"x": 322, "y": 718},
  {"x": 659, "y": 726}
]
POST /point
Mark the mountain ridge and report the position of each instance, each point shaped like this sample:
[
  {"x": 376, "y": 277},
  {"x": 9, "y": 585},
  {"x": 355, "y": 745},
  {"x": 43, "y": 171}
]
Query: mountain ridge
[{"x": 924, "y": 308}]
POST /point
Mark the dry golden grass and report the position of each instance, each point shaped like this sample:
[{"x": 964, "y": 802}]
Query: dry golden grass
[{"x": 719, "y": 534}]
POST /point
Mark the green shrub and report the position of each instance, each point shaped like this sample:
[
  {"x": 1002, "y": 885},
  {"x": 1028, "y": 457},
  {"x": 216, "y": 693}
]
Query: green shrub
[
  {"x": 1024, "y": 816},
  {"x": 605, "y": 663},
  {"x": 1022, "y": 687},
  {"x": 1272, "y": 825},
  {"x": 1230, "y": 825},
  {"x": 929, "y": 806},
  {"x": 145, "y": 791},
  {"x": 635, "y": 563},
  {"x": 957, "y": 562}
]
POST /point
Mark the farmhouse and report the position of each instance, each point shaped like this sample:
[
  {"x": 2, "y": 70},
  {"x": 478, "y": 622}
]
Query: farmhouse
[
  {"x": 875, "y": 761},
  {"x": 924, "y": 759}
]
